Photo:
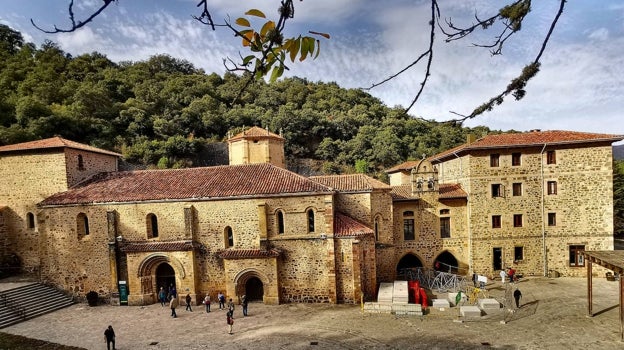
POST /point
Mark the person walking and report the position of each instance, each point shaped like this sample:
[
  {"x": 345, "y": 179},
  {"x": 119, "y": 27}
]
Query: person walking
[
  {"x": 244, "y": 304},
  {"x": 173, "y": 304},
  {"x": 230, "y": 321},
  {"x": 162, "y": 297},
  {"x": 517, "y": 295},
  {"x": 221, "y": 298},
  {"x": 189, "y": 300},
  {"x": 503, "y": 275},
  {"x": 109, "y": 335},
  {"x": 230, "y": 306},
  {"x": 207, "y": 302}
]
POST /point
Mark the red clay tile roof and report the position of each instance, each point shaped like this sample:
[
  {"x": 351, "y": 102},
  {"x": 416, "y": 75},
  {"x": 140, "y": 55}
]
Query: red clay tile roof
[
  {"x": 446, "y": 191},
  {"x": 345, "y": 226},
  {"x": 402, "y": 192},
  {"x": 249, "y": 253},
  {"x": 350, "y": 183},
  {"x": 167, "y": 246},
  {"x": 256, "y": 133},
  {"x": 403, "y": 166},
  {"x": 219, "y": 182},
  {"x": 54, "y": 142},
  {"x": 452, "y": 191},
  {"x": 531, "y": 138}
]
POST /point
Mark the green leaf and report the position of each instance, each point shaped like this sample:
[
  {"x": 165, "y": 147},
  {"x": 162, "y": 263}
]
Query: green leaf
[
  {"x": 243, "y": 22},
  {"x": 304, "y": 49},
  {"x": 248, "y": 59},
  {"x": 266, "y": 27},
  {"x": 318, "y": 49},
  {"x": 294, "y": 49},
  {"x": 255, "y": 12}
]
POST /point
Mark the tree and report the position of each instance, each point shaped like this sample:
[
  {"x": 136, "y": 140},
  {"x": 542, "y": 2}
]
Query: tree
[{"x": 269, "y": 51}]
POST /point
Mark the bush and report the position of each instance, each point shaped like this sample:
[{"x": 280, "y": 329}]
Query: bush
[{"x": 92, "y": 298}]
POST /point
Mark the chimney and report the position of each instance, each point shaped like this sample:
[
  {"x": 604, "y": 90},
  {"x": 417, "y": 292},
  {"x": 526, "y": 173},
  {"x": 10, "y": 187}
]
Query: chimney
[{"x": 470, "y": 138}]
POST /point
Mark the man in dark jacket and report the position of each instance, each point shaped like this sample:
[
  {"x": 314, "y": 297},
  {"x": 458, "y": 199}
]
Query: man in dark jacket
[{"x": 109, "y": 335}]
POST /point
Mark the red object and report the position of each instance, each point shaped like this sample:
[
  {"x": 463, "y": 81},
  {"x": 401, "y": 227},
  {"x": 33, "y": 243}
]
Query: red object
[
  {"x": 424, "y": 303},
  {"x": 413, "y": 288}
]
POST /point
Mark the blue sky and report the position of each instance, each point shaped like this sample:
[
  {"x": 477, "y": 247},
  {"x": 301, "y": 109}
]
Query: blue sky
[{"x": 580, "y": 86}]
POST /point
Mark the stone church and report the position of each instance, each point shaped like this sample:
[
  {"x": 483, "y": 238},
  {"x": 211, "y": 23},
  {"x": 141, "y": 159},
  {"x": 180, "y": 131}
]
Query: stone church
[{"x": 532, "y": 200}]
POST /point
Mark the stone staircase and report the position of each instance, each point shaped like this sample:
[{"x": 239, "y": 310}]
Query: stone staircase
[{"x": 29, "y": 301}]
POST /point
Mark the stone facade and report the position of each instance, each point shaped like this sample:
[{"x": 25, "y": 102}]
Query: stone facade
[{"x": 260, "y": 230}]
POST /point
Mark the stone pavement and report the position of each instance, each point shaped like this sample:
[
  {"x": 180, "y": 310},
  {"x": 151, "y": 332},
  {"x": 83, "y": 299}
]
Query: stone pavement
[{"x": 554, "y": 316}]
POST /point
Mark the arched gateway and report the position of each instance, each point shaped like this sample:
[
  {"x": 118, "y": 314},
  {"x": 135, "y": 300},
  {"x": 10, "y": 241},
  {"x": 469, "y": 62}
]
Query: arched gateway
[
  {"x": 251, "y": 283},
  {"x": 158, "y": 270},
  {"x": 408, "y": 261}
]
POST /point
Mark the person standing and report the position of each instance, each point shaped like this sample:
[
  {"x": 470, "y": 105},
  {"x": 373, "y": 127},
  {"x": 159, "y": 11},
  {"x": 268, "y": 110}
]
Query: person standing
[
  {"x": 244, "y": 304},
  {"x": 207, "y": 302},
  {"x": 173, "y": 304},
  {"x": 162, "y": 296},
  {"x": 188, "y": 302},
  {"x": 503, "y": 275},
  {"x": 512, "y": 274},
  {"x": 109, "y": 335},
  {"x": 230, "y": 321},
  {"x": 517, "y": 295},
  {"x": 221, "y": 298}
]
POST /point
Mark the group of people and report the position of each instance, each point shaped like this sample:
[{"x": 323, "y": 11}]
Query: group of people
[
  {"x": 172, "y": 299},
  {"x": 229, "y": 306},
  {"x": 508, "y": 274}
]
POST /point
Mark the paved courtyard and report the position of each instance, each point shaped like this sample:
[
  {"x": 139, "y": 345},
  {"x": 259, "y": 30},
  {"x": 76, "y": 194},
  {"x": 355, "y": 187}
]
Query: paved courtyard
[{"x": 554, "y": 316}]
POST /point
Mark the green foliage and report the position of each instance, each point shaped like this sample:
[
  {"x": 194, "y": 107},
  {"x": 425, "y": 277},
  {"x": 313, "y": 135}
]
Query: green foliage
[
  {"x": 361, "y": 166},
  {"x": 161, "y": 112}
]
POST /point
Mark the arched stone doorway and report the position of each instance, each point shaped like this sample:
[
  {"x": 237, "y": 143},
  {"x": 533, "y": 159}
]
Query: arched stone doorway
[
  {"x": 252, "y": 284},
  {"x": 254, "y": 289},
  {"x": 446, "y": 262},
  {"x": 409, "y": 261},
  {"x": 165, "y": 277},
  {"x": 154, "y": 271}
]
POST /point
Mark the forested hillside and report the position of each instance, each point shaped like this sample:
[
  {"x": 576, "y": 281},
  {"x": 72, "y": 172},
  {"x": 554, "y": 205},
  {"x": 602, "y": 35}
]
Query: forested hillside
[{"x": 164, "y": 111}]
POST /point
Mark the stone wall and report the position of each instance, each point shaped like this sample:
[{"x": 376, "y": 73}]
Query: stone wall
[
  {"x": 305, "y": 272},
  {"x": 31, "y": 177},
  {"x": 584, "y": 214}
]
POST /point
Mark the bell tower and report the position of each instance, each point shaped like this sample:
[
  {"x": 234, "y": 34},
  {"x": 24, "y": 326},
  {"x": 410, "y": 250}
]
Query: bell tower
[{"x": 256, "y": 145}]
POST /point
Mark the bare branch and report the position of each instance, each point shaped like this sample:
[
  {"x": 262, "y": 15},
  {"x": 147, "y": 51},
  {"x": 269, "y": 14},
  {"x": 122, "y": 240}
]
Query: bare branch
[
  {"x": 73, "y": 20},
  {"x": 205, "y": 17},
  {"x": 435, "y": 13},
  {"x": 511, "y": 16}
]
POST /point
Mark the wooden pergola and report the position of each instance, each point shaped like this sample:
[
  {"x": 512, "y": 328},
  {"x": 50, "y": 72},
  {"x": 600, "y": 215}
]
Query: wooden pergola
[{"x": 614, "y": 261}]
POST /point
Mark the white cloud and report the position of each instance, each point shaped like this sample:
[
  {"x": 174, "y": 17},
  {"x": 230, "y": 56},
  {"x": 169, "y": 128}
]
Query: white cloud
[{"x": 599, "y": 34}]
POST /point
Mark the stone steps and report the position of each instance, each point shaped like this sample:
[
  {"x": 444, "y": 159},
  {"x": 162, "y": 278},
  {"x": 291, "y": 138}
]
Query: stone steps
[{"x": 30, "y": 301}]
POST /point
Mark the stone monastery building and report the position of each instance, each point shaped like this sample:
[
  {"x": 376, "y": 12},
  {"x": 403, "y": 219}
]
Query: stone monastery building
[{"x": 532, "y": 200}]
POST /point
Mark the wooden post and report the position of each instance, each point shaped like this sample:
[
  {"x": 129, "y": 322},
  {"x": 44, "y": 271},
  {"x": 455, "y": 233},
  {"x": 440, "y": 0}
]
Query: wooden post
[
  {"x": 621, "y": 307},
  {"x": 589, "y": 287}
]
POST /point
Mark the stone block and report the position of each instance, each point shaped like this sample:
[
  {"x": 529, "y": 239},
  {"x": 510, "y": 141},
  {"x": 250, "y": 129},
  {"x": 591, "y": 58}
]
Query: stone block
[
  {"x": 385, "y": 293},
  {"x": 489, "y": 304},
  {"x": 400, "y": 292},
  {"x": 470, "y": 311},
  {"x": 453, "y": 295},
  {"x": 441, "y": 303}
]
